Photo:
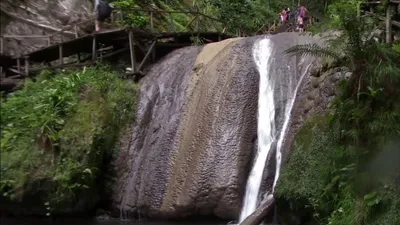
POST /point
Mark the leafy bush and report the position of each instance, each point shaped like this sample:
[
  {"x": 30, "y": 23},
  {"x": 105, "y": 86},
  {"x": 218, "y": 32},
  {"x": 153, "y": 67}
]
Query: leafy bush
[
  {"x": 327, "y": 182},
  {"x": 357, "y": 146},
  {"x": 58, "y": 129}
]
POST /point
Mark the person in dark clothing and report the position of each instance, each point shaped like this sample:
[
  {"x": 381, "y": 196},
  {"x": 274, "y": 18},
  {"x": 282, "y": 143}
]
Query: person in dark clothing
[
  {"x": 288, "y": 13},
  {"x": 103, "y": 11}
]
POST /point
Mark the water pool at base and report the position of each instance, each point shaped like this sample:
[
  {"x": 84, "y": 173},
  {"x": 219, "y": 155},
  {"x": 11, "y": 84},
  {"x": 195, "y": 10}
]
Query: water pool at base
[{"x": 93, "y": 221}]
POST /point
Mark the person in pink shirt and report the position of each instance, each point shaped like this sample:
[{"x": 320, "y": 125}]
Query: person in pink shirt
[
  {"x": 303, "y": 11},
  {"x": 283, "y": 16}
]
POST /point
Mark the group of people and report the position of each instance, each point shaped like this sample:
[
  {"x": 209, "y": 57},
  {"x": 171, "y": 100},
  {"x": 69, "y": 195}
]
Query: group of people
[{"x": 300, "y": 16}]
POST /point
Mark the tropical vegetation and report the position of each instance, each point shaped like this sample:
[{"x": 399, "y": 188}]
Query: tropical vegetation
[
  {"x": 58, "y": 132},
  {"x": 232, "y": 15},
  {"x": 345, "y": 165}
]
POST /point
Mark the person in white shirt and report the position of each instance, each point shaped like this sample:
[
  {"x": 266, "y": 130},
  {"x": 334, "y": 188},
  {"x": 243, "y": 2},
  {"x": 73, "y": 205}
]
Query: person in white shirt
[{"x": 300, "y": 22}]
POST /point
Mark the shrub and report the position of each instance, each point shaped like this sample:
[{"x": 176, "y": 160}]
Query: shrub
[{"x": 56, "y": 131}]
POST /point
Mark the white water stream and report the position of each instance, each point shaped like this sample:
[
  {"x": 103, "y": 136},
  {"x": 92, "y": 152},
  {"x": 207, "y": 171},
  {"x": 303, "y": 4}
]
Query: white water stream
[
  {"x": 262, "y": 53},
  {"x": 266, "y": 128}
]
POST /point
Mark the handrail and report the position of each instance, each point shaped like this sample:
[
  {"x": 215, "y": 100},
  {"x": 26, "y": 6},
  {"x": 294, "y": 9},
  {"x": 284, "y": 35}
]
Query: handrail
[
  {"x": 71, "y": 26},
  {"x": 66, "y": 30},
  {"x": 395, "y": 23},
  {"x": 151, "y": 13}
]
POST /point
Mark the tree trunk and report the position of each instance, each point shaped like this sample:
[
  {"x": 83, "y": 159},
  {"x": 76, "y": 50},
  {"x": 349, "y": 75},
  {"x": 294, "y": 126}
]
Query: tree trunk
[
  {"x": 388, "y": 24},
  {"x": 261, "y": 212}
]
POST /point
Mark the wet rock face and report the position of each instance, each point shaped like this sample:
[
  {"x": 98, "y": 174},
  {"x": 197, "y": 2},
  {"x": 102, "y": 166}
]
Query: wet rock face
[
  {"x": 314, "y": 98},
  {"x": 39, "y": 18},
  {"x": 189, "y": 151}
]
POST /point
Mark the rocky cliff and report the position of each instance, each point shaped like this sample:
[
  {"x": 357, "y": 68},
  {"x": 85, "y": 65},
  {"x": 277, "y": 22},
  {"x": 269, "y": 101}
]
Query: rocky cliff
[
  {"x": 38, "y": 18},
  {"x": 189, "y": 151}
]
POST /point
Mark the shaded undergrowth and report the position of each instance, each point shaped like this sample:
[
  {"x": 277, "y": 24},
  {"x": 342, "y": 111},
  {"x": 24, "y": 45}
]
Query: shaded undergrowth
[
  {"x": 344, "y": 167},
  {"x": 56, "y": 133}
]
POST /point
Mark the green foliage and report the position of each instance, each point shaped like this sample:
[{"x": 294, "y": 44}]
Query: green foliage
[
  {"x": 233, "y": 15},
  {"x": 328, "y": 182},
  {"x": 58, "y": 129},
  {"x": 347, "y": 169},
  {"x": 135, "y": 15},
  {"x": 197, "y": 40},
  {"x": 131, "y": 17},
  {"x": 341, "y": 9},
  {"x": 396, "y": 47}
]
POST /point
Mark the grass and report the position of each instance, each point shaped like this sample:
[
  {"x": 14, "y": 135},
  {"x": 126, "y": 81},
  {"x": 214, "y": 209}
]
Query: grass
[{"x": 55, "y": 133}]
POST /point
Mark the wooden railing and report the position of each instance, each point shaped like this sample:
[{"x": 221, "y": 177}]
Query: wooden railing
[
  {"x": 197, "y": 19},
  {"x": 388, "y": 19},
  {"x": 117, "y": 17}
]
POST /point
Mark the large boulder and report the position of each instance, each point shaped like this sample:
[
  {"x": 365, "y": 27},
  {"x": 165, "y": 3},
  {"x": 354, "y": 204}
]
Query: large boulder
[{"x": 189, "y": 150}]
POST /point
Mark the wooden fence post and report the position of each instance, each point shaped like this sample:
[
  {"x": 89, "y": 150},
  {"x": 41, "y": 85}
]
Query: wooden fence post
[
  {"x": 132, "y": 51},
  {"x": 147, "y": 55},
  {"x": 197, "y": 19},
  {"x": 153, "y": 53},
  {"x": 76, "y": 31},
  {"x": 388, "y": 24},
  {"x": 1, "y": 45},
  {"x": 151, "y": 22},
  {"x": 19, "y": 64},
  {"x": 60, "y": 53},
  {"x": 172, "y": 22},
  {"x": 1, "y": 51},
  {"x": 94, "y": 48},
  {"x": 26, "y": 66},
  {"x": 121, "y": 16}
]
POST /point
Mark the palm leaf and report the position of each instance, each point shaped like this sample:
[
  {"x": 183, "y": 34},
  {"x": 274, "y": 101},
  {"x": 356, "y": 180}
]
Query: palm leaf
[{"x": 313, "y": 50}]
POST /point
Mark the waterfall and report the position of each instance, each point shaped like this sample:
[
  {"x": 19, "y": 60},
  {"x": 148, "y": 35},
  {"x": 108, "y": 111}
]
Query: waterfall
[
  {"x": 288, "y": 112},
  {"x": 266, "y": 130},
  {"x": 265, "y": 127}
]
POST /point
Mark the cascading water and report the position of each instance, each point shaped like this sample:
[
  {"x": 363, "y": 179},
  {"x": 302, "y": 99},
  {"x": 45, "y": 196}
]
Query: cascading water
[
  {"x": 288, "y": 112},
  {"x": 267, "y": 108},
  {"x": 265, "y": 127}
]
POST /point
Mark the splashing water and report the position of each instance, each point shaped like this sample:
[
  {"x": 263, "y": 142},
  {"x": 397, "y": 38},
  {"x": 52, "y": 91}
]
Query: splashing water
[{"x": 266, "y": 126}]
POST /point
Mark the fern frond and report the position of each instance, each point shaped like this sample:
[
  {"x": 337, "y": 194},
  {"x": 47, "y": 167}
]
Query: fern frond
[{"x": 313, "y": 50}]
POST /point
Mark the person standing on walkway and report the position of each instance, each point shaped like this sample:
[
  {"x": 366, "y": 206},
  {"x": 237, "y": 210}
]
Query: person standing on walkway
[
  {"x": 300, "y": 23},
  {"x": 288, "y": 14},
  {"x": 103, "y": 11},
  {"x": 303, "y": 12},
  {"x": 283, "y": 16}
]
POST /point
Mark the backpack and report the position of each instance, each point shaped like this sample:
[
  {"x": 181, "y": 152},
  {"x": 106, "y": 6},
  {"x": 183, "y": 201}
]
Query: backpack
[{"x": 104, "y": 8}]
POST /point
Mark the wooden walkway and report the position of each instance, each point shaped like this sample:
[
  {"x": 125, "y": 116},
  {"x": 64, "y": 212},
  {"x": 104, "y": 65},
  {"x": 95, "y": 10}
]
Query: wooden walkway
[{"x": 141, "y": 45}]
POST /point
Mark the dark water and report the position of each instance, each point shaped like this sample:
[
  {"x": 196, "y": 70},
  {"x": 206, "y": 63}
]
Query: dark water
[{"x": 80, "y": 221}]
